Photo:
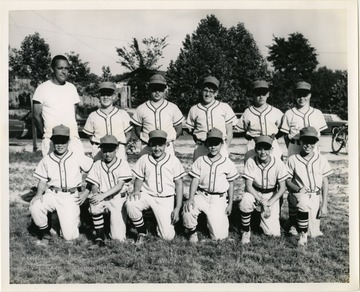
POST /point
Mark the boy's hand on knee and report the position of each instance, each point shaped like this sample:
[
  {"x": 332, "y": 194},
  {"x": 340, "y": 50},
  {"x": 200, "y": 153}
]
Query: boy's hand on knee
[{"x": 175, "y": 216}]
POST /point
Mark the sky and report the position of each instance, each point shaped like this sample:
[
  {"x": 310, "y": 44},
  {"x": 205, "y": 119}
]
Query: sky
[{"x": 95, "y": 34}]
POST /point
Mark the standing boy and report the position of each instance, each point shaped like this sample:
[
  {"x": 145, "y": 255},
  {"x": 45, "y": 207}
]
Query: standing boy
[
  {"x": 108, "y": 120},
  {"x": 300, "y": 116},
  {"x": 210, "y": 113},
  {"x": 157, "y": 114},
  {"x": 261, "y": 119},
  {"x": 60, "y": 181},
  {"x": 265, "y": 177},
  {"x": 308, "y": 184},
  {"x": 55, "y": 103},
  {"x": 158, "y": 185},
  {"x": 108, "y": 178},
  {"x": 212, "y": 182}
]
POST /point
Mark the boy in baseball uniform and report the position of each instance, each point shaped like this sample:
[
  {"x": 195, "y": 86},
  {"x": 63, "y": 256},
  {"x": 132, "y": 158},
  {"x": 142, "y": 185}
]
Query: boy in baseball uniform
[
  {"x": 212, "y": 182},
  {"x": 210, "y": 113},
  {"x": 60, "y": 181},
  {"x": 308, "y": 184},
  {"x": 300, "y": 116},
  {"x": 158, "y": 185},
  {"x": 108, "y": 120},
  {"x": 260, "y": 119},
  {"x": 108, "y": 179},
  {"x": 265, "y": 177},
  {"x": 157, "y": 114}
]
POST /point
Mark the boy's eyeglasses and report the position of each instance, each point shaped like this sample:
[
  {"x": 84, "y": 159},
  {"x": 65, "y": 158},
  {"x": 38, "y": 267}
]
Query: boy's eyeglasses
[{"x": 208, "y": 91}]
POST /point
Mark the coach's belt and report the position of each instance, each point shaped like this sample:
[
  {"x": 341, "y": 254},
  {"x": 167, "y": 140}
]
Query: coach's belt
[
  {"x": 161, "y": 196},
  {"x": 295, "y": 141},
  {"x": 264, "y": 191},
  {"x": 206, "y": 193},
  {"x": 65, "y": 190}
]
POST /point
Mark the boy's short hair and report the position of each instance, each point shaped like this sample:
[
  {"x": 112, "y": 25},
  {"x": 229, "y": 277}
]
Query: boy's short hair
[
  {"x": 157, "y": 136},
  {"x": 57, "y": 58}
]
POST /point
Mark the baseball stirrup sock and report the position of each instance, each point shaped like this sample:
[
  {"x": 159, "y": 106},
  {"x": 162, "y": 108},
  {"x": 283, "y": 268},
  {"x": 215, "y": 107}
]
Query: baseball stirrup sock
[
  {"x": 303, "y": 221},
  {"x": 245, "y": 220},
  {"x": 98, "y": 221}
]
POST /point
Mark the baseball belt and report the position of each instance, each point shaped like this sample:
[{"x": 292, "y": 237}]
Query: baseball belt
[
  {"x": 98, "y": 144},
  {"x": 295, "y": 141},
  {"x": 65, "y": 190},
  {"x": 206, "y": 193},
  {"x": 161, "y": 196},
  {"x": 264, "y": 191}
]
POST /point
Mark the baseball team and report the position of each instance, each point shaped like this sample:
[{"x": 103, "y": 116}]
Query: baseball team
[{"x": 156, "y": 180}]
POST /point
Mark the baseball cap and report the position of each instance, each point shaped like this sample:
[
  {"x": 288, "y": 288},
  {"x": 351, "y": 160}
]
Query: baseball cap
[
  {"x": 157, "y": 79},
  {"x": 309, "y": 132},
  {"x": 108, "y": 140},
  {"x": 211, "y": 80},
  {"x": 61, "y": 130},
  {"x": 303, "y": 86},
  {"x": 214, "y": 134},
  {"x": 157, "y": 135},
  {"x": 260, "y": 84},
  {"x": 107, "y": 85},
  {"x": 263, "y": 140}
]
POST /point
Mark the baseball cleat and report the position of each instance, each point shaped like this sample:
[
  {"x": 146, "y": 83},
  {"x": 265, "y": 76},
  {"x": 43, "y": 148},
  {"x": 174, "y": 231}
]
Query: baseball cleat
[
  {"x": 293, "y": 231},
  {"x": 303, "y": 239},
  {"x": 98, "y": 242},
  {"x": 246, "y": 237},
  {"x": 140, "y": 238},
  {"x": 193, "y": 238}
]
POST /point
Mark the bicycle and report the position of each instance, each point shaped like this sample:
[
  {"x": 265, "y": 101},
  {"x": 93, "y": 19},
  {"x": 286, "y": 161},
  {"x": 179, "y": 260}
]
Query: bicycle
[{"x": 339, "y": 138}]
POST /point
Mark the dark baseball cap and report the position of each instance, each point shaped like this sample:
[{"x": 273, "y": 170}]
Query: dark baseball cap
[
  {"x": 263, "y": 140},
  {"x": 214, "y": 134},
  {"x": 260, "y": 84},
  {"x": 107, "y": 85},
  {"x": 108, "y": 140},
  {"x": 309, "y": 133},
  {"x": 157, "y": 135},
  {"x": 212, "y": 80},
  {"x": 303, "y": 86},
  {"x": 157, "y": 79}
]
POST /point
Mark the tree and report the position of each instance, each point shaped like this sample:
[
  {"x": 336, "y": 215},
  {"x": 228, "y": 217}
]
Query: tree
[
  {"x": 230, "y": 55},
  {"x": 141, "y": 63},
  {"x": 339, "y": 100},
  {"x": 79, "y": 74},
  {"x": 32, "y": 61},
  {"x": 293, "y": 60},
  {"x": 106, "y": 73}
]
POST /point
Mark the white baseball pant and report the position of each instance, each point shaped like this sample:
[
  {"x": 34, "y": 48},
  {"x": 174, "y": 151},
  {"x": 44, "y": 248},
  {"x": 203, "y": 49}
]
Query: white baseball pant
[
  {"x": 162, "y": 208},
  {"x": 66, "y": 207},
  {"x": 271, "y": 225},
  {"x": 214, "y": 208},
  {"x": 116, "y": 206}
]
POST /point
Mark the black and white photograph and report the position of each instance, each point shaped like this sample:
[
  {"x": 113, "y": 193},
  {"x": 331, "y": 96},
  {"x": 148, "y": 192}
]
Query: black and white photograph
[{"x": 179, "y": 146}]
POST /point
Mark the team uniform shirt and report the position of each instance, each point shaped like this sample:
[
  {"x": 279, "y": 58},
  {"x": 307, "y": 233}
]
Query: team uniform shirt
[
  {"x": 294, "y": 121},
  {"x": 108, "y": 177},
  {"x": 265, "y": 177},
  {"x": 256, "y": 123},
  {"x": 158, "y": 175},
  {"x": 165, "y": 118},
  {"x": 63, "y": 172},
  {"x": 201, "y": 119},
  {"x": 115, "y": 123},
  {"x": 308, "y": 174},
  {"x": 214, "y": 176},
  {"x": 57, "y": 106}
]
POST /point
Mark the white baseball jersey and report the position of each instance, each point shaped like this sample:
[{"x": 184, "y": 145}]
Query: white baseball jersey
[
  {"x": 158, "y": 175},
  {"x": 108, "y": 177},
  {"x": 265, "y": 177},
  {"x": 294, "y": 121},
  {"x": 63, "y": 172},
  {"x": 308, "y": 174},
  {"x": 57, "y": 106},
  {"x": 201, "y": 119},
  {"x": 214, "y": 176},
  {"x": 165, "y": 118},
  {"x": 256, "y": 123},
  {"x": 115, "y": 123}
]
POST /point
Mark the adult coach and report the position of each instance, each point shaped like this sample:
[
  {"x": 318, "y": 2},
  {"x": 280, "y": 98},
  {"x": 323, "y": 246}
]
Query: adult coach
[
  {"x": 54, "y": 103},
  {"x": 157, "y": 114},
  {"x": 301, "y": 116},
  {"x": 210, "y": 113},
  {"x": 260, "y": 119}
]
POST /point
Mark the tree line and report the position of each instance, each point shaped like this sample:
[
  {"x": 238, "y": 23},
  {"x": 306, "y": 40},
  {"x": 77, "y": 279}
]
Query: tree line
[{"x": 230, "y": 54}]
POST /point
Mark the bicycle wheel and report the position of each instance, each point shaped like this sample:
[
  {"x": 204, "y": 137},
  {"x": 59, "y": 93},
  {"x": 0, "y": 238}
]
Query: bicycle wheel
[{"x": 338, "y": 141}]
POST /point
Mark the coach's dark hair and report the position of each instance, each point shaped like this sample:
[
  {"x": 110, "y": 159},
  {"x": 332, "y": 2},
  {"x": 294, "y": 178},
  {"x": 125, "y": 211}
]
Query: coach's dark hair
[{"x": 56, "y": 58}]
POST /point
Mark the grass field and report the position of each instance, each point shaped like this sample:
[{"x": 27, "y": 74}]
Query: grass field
[{"x": 265, "y": 260}]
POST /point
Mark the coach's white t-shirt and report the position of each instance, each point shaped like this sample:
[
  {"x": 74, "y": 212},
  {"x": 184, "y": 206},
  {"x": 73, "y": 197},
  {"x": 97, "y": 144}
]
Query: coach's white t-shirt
[{"x": 58, "y": 106}]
